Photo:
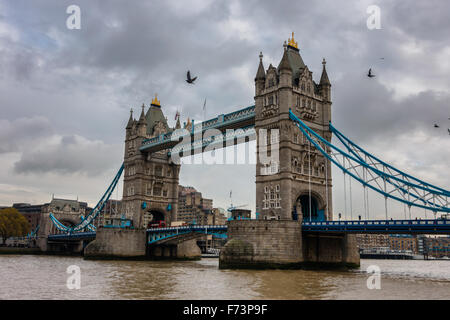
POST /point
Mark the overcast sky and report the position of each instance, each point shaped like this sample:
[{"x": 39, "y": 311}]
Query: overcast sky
[{"x": 65, "y": 95}]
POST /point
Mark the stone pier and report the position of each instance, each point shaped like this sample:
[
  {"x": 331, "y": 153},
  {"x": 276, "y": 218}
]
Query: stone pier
[
  {"x": 262, "y": 244},
  {"x": 117, "y": 243},
  {"x": 177, "y": 250}
]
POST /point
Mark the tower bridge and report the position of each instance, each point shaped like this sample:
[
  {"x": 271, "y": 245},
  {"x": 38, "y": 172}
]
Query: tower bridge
[{"x": 294, "y": 223}]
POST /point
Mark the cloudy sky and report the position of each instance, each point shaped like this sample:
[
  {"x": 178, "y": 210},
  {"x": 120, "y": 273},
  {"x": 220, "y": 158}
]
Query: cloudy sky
[{"x": 65, "y": 95}]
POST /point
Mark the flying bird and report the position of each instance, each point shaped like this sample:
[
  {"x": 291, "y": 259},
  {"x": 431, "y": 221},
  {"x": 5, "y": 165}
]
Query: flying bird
[
  {"x": 448, "y": 129},
  {"x": 370, "y": 75},
  {"x": 189, "y": 79},
  {"x": 436, "y": 125}
]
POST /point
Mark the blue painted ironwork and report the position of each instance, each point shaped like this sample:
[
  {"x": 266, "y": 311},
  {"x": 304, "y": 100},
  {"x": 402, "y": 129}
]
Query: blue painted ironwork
[
  {"x": 244, "y": 115},
  {"x": 438, "y": 226},
  {"x": 94, "y": 212},
  {"x": 155, "y": 235},
  {"x": 396, "y": 181},
  {"x": 72, "y": 236}
]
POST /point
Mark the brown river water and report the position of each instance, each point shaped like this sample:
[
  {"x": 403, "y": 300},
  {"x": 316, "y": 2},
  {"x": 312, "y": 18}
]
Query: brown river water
[{"x": 45, "y": 277}]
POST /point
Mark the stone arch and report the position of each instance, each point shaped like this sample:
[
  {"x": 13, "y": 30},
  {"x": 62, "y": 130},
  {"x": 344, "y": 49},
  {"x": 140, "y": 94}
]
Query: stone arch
[
  {"x": 301, "y": 204},
  {"x": 154, "y": 216}
]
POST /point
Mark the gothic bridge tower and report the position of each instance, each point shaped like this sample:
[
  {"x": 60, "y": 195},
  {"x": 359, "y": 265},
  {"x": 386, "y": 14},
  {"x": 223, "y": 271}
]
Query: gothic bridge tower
[
  {"x": 150, "y": 189},
  {"x": 298, "y": 184}
]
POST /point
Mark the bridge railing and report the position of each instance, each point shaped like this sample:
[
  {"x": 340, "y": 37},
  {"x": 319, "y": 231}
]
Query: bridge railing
[{"x": 378, "y": 222}]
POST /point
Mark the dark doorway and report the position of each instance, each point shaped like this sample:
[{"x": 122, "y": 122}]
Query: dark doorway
[
  {"x": 155, "y": 219},
  {"x": 304, "y": 201}
]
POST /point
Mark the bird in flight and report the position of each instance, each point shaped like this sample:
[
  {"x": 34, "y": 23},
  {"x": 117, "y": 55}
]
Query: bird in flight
[
  {"x": 448, "y": 129},
  {"x": 189, "y": 79},
  {"x": 370, "y": 75},
  {"x": 436, "y": 125}
]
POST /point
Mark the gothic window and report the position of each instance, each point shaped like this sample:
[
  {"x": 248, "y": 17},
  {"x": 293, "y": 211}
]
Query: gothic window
[
  {"x": 277, "y": 188},
  {"x": 169, "y": 172},
  {"x": 130, "y": 191},
  {"x": 148, "y": 189},
  {"x": 303, "y": 86},
  {"x": 157, "y": 191},
  {"x": 271, "y": 82},
  {"x": 314, "y": 106},
  {"x": 304, "y": 103},
  {"x": 309, "y": 104},
  {"x": 270, "y": 100},
  {"x": 266, "y": 189},
  {"x": 164, "y": 193},
  {"x": 158, "y": 171},
  {"x": 295, "y": 137}
]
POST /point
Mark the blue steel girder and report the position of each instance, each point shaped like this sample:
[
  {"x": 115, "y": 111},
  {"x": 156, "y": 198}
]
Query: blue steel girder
[
  {"x": 438, "y": 226},
  {"x": 243, "y": 118},
  {"x": 72, "y": 236},
  {"x": 381, "y": 181},
  {"x": 155, "y": 235},
  {"x": 86, "y": 222}
]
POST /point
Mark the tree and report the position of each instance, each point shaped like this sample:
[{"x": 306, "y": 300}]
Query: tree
[{"x": 12, "y": 224}]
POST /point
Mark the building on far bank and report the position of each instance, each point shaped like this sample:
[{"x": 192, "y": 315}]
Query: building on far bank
[
  {"x": 219, "y": 216},
  {"x": 192, "y": 207},
  {"x": 372, "y": 241},
  {"x": 434, "y": 246},
  {"x": 403, "y": 242},
  {"x": 427, "y": 245},
  {"x": 31, "y": 212}
]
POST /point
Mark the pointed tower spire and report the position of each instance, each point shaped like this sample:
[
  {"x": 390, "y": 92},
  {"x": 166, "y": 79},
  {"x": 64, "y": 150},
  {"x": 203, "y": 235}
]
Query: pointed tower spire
[
  {"x": 284, "y": 64},
  {"x": 324, "y": 78},
  {"x": 178, "y": 125},
  {"x": 142, "y": 117},
  {"x": 261, "y": 74},
  {"x": 130, "y": 121}
]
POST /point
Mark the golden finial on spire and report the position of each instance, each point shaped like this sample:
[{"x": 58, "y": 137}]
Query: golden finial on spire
[
  {"x": 292, "y": 43},
  {"x": 155, "y": 102}
]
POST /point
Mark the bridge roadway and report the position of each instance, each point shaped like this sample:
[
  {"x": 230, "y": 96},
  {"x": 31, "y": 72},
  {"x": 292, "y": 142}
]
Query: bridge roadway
[
  {"x": 243, "y": 119},
  {"x": 439, "y": 226}
]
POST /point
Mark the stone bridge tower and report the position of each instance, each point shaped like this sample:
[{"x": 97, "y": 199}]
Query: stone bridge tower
[
  {"x": 294, "y": 186},
  {"x": 298, "y": 183},
  {"x": 150, "y": 189}
]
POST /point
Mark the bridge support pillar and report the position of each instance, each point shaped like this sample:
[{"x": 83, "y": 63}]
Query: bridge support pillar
[
  {"x": 184, "y": 250},
  {"x": 117, "y": 243},
  {"x": 188, "y": 250},
  {"x": 264, "y": 244},
  {"x": 255, "y": 244}
]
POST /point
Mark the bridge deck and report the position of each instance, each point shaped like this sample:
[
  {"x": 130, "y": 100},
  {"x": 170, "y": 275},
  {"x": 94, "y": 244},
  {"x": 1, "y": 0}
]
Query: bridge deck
[{"x": 439, "y": 226}]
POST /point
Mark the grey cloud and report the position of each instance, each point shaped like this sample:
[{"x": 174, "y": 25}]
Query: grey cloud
[
  {"x": 16, "y": 134},
  {"x": 85, "y": 81},
  {"x": 70, "y": 154}
]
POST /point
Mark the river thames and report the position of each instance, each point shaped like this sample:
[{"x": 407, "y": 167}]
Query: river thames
[{"x": 45, "y": 277}]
